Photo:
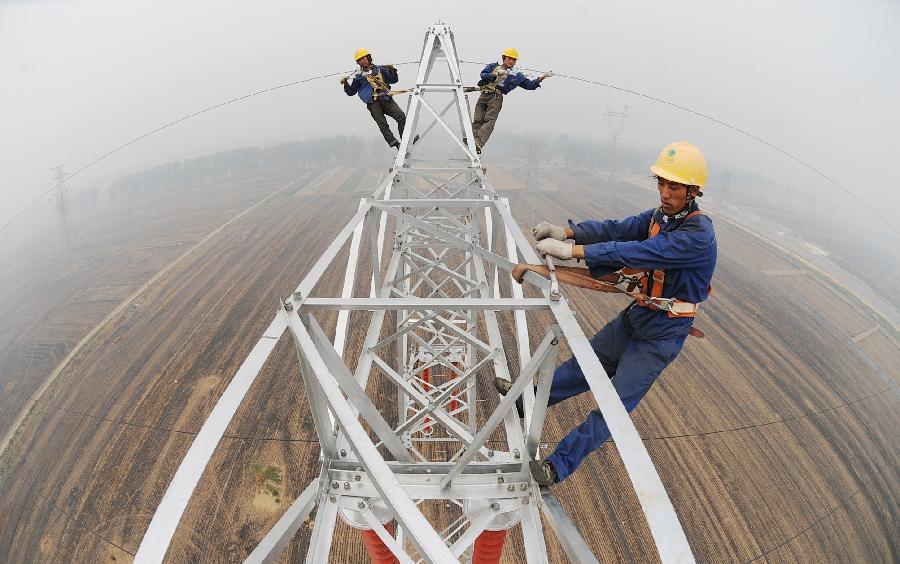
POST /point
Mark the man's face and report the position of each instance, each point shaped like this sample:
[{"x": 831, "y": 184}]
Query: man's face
[
  {"x": 509, "y": 62},
  {"x": 363, "y": 62},
  {"x": 672, "y": 195}
]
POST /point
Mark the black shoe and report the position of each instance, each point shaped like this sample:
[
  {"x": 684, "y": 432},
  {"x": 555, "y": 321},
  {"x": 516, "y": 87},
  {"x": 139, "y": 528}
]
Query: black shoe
[
  {"x": 415, "y": 139},
  {"x": 396, "y": 145},
  {"x": 543, "y": 472},
  {"x": 503, "y": 386}
]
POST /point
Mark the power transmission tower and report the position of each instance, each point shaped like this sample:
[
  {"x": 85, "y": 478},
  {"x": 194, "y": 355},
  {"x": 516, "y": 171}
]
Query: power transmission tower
[
  {"x": 433, "y": 335},
  {"x": 533, "y": 163},
  {"x": 61, "y": 198},
  {"x": 616, "y": 123}
]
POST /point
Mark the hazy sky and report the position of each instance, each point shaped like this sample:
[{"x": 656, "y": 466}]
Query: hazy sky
[{"x": 820, "y": 79}]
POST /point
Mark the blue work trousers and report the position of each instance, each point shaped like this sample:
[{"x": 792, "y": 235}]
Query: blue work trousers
[{"x": 632, "y": 364}]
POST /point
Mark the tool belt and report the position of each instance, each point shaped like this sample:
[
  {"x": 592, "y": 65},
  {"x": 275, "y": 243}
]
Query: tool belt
[{"x": 581, "y": 277}]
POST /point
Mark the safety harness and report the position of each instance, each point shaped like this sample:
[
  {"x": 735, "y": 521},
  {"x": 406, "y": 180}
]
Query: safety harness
[
  {"x": 379, "y": 86},
  {"x": 493, "y": 87},
  {"x": 624, "y": 281}
]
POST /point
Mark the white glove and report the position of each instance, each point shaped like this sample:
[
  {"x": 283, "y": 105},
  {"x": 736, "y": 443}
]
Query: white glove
[
  {"x": 500, "y": 71},
  {"x": 546, "y": 230},
  {"x": 555, "y": 248}
]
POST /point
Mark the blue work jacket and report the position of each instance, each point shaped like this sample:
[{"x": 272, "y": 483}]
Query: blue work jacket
[
  {"x": 686, "y": 250},
  {"x": 360, "y": 85},
  {"x": 511, "y": 82}
]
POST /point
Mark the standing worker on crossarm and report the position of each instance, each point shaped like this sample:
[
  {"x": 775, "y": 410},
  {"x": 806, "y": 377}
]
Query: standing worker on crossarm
[
  {"x": 672, "y": 250},
  {"x": 497, "y": 80},
  {"x": 371, "y": 83}
]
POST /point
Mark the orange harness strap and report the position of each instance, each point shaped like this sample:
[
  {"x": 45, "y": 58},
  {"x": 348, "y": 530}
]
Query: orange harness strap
[{"x": 581, "y": 278}]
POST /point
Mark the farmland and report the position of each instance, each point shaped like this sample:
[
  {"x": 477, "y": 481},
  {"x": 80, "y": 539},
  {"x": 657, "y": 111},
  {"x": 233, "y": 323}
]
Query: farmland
[{"x": 775, "y": 435}]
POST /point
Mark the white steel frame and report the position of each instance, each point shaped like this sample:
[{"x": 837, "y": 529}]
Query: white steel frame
[{"x": 441, "y": 284}]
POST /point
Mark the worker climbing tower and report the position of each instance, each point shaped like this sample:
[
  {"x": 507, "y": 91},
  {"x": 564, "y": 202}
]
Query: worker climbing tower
[{"x": 409, "y": 454}]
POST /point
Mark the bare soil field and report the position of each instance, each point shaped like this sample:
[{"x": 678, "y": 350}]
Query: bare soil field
[
  {"x": 52, "y": 294},
  {"x": 775, "y": 435}
]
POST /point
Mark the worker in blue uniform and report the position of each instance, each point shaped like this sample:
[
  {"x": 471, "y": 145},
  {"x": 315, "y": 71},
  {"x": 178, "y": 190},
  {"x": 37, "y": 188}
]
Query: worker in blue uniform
[
  {"x": 371, "y": 83},
  {"x": 497, "y": 80},
  {"x": 674, "y": 247}
]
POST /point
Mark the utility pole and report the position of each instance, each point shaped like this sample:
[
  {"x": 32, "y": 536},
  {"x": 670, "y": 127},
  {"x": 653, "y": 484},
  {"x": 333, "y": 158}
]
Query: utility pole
[{"x": 62, "y": 199}]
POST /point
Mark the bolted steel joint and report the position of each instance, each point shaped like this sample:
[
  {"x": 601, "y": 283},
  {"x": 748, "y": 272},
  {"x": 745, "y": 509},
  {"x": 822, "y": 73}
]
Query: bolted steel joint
[
  {"x": 346, "y": 485},
  {"x": 335, "y": 485}
]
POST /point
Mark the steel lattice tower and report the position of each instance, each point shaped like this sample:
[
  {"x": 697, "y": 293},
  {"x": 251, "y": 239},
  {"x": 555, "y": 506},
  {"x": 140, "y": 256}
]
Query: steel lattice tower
[{"x": 433, "y": 233}]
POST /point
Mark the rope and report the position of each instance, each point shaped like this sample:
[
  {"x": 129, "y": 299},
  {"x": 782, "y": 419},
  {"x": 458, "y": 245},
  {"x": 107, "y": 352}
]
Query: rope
[{"x": 726, "y": 125}]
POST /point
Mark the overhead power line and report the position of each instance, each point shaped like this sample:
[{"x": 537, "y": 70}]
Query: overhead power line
[
  {"x": 657, "y": 99},
  {"x": 170, "y": 124},
  {"x": 725, "y": 124}
]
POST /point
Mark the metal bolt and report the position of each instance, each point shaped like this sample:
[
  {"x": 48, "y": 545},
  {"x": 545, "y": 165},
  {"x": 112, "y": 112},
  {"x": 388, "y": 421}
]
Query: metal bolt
[
  {"x": 361, "y": 504},
  {"x": 516, "y": 454},
  {"x": 332, "y": 498},
  {"x": 343, "y": 452},
  {"x": 357, "y": 478},
  {"x": 500, "y": 479},
  {"x": 491, "y": 453},
  {"x": 523, "y": 486},
  {"x": 298, "y": 295},
  {"x": 495, "y": 506},
  {"x": 288, "y": 306},
  {"x": 334, "y": 485},
  {"x": 511, "y": 488},
  {"x": 346, "y": 485},
  {"x": 526, "y": 500},
  {"x": 554, "y": 342}
]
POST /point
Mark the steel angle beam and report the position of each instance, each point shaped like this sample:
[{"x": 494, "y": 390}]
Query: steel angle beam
[
  {"x": 270, "y": 548},
  {"x": 370, "y": 304},
  {"x": 404, "y": 509},
  {"x": 566, "y": 531}
]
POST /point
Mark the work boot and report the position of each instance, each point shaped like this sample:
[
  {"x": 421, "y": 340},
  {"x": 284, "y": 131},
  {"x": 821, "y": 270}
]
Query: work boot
[
  {"x": 543, "y": 472},
  {"x": 503, "y": 386},
  {"x": 415, "y": 139},
  {"x": 396, "y": 145}
]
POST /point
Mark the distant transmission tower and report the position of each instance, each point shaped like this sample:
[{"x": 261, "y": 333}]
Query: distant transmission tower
[
  {"x": 62, "y": 198},
  {"x": 616, "y": 123},
  {"x": 533, "y": 148}
]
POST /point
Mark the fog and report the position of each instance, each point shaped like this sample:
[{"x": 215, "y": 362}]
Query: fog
[{"x": 817, "y": 79}]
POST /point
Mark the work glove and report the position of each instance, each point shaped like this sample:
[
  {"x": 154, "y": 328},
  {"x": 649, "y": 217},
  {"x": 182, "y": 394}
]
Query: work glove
[
  {"x": 555, "y": 248},
  {"x": 546, "y": 230},
  {"x": 344, "y": 80},
  {"x": 547, "y": 74},
  {"x": 390, "y": 67}
]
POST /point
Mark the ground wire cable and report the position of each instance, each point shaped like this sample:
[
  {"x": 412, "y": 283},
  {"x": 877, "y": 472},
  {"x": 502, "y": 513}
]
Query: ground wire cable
[
  {"x": 172, "y": 123},
  {"x": 723, "y": 124}
]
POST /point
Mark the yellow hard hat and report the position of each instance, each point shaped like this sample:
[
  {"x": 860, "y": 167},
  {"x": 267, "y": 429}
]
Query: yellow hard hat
[
  {"x": 681, "y": 162},
  {"x": 511, "y": 52},
  {"x": 360, "y": 53}
]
